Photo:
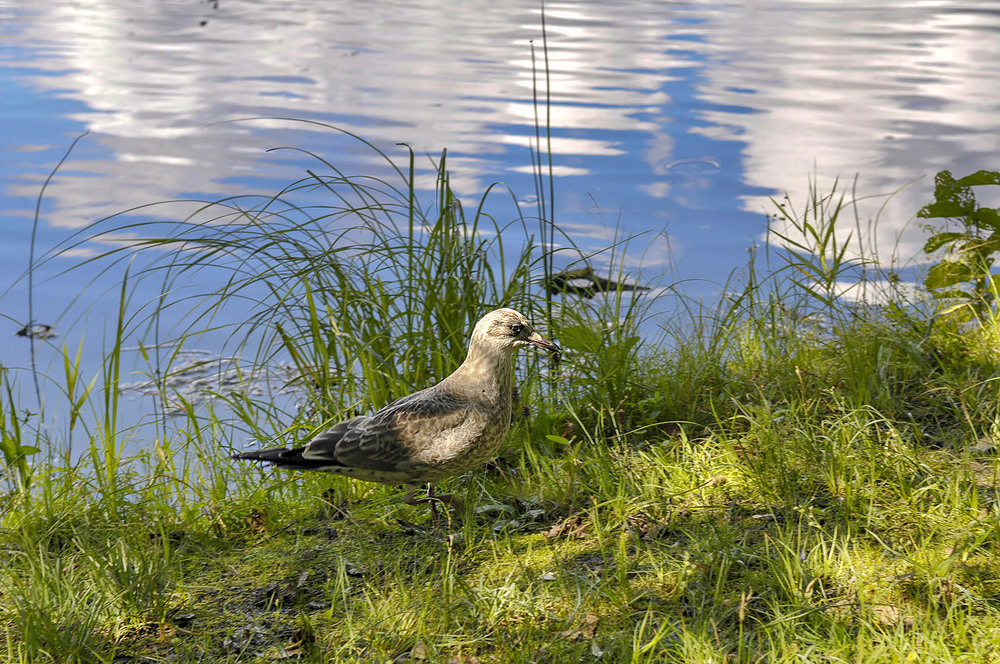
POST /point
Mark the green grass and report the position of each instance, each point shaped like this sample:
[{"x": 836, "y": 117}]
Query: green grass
[{"x": 778, "y": 478}]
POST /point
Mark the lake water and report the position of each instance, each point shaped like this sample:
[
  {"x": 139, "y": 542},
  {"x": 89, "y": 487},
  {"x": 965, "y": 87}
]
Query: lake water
[{"x": 675, "y": 120}]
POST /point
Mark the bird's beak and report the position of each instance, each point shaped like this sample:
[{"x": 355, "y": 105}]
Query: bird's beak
[{"x": 538, "y": 340}]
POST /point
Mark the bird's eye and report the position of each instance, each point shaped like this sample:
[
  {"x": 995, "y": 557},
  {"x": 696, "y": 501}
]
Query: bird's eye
[{"x": 516, "y": 329}]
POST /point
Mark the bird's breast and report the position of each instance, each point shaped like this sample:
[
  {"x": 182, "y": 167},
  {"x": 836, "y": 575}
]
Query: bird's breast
[{"x": 468, "y": 445}]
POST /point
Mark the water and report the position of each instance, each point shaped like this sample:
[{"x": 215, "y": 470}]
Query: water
[{"x": 675, "y": 120}]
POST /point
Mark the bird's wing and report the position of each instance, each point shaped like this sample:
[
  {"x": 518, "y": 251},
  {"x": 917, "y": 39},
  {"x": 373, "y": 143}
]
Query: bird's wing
[{"x": 391, "y": 436}]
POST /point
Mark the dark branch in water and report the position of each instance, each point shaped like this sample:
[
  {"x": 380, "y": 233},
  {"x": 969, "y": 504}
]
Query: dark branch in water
[
  {"x": 37, "y": 331},
  {"x": 583, "y": 282}
]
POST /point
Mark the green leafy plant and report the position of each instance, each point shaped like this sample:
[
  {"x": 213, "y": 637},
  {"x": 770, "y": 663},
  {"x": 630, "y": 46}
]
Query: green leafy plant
[
  {"x": 965, "y": 274},
  {"x": 12, "y": 445}
]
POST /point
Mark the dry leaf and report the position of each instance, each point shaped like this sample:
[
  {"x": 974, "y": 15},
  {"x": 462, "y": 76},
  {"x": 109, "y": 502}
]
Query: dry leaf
[
  {"x": 983, "y": 445},
  {"x": 886, "y": 614},
  {"x": 416, "y": 654},
  {"x": 257, "y": 521},
  {"x": 280, "y": 592},
  {"x": 586, "y": 631},
  {"x": 572, "y": 526},
  {"x": 463, "y": 659},
  {"x": 645, "y": 527}
]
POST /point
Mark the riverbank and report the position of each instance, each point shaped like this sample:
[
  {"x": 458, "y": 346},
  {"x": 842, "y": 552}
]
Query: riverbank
[{"x": 782, "y": 477}]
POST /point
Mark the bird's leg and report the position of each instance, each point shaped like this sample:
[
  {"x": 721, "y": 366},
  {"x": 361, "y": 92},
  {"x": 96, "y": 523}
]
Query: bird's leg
[
  {"x": 448, "y": 499},
  {"x": 411, "y": 499},
  {"x": 433, "y": 499}
]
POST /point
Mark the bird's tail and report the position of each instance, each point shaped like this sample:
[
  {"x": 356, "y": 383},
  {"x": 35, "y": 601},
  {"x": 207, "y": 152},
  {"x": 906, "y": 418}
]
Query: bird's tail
[
  {"x": 273, "y": 455},
  {"x": 283, "y": 457}
]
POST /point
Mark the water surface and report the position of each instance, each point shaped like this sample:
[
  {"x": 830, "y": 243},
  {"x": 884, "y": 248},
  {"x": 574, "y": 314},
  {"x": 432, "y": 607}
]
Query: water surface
[{"x": 675, "y": 120}]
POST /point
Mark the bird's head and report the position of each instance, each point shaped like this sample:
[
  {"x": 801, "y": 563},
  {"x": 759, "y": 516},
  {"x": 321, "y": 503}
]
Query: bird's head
[{"x": 509, "y": 330}]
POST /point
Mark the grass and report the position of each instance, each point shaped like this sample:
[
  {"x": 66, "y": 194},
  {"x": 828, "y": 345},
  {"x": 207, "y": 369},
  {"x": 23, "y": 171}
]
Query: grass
[{"x": 781, "y": 477}]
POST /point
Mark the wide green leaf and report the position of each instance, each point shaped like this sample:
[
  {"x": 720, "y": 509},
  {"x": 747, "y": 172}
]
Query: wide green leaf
[
  {"x": 979, "y": 178},
  {"x": 941, "y": 239},
  {"x": 987, "y": 218},
  {"x": 946, "y": 209},
  {"x": 947, "y": 274},
  {"x": 582, "y": 338}
]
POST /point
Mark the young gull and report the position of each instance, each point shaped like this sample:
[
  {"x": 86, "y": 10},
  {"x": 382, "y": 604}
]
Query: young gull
[{"x": 448, "y": 429}]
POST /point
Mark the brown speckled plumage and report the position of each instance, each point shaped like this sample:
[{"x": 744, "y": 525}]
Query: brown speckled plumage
[{"x": 448, "y": 429}]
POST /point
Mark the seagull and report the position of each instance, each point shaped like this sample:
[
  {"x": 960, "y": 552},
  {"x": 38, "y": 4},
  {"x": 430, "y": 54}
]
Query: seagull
[{"x": 448, "y": 429}]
